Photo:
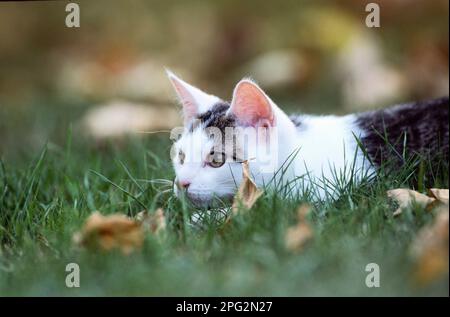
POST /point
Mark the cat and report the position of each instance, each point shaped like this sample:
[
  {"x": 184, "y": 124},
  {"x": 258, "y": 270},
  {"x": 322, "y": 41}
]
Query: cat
[{"x": 294, "y": 152}]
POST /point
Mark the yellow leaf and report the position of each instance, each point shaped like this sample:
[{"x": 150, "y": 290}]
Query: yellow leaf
[
  {"x": 430, "y": 249},
  {"x": 111, "y": 232},
  {"x": 405, "y": 197},
  {"x": 297, "y": 236},
  {"x": 155, "y": 222},
  {"x": 247, "y": 193}
]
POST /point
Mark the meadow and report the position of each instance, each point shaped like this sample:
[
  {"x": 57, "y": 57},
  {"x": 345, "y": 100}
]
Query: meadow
[
  {"x": 47, "y": 192},
  {"x": 317, "y": 57}
]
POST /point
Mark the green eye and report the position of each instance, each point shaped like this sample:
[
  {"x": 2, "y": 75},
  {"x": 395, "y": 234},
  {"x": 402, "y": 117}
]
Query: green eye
[{"x": 216, "y": 159}]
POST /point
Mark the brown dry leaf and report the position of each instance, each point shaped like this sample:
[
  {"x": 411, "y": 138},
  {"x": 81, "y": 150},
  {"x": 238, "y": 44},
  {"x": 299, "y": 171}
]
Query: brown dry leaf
[
  {"x": 247, "y": 193},
  {"x": 297, "y": 236},
  {"x": 155, "y": 222},
  {"x": 430, "y": 249},
  {"x": 405, "y": 197},
  {"x": 439, "y": 194},
  {"x": 110, "y": 232}
]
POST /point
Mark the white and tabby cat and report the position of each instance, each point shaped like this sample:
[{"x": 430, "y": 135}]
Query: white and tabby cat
[{"x": 303, "y": 151}]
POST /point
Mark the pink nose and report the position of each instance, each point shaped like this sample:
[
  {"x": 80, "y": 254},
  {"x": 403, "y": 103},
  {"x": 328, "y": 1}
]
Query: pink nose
[{"x": 184, "y": 184}]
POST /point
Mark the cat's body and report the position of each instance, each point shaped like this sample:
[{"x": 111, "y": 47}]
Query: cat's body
[
  {"x": 397, "y": 134},
  {"x": 390, "y": 137},
  {"x": 299, "y": 152}
]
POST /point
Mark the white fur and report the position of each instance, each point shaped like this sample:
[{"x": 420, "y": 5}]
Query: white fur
[
  {"x": 202, "y": 99},
  {"x": 325, "y": 147},
  {"x": 328, "y": 149},
  {"x": 206, "y": 182}
]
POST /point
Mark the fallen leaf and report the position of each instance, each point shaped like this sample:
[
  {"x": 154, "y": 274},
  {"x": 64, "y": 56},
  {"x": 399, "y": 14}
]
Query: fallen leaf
[
  {"x": 405, "y": 197},
  {"x": 297, "y": 236},
  {"x": 430, "y": 249},
  {"x": 118, "y": 118},
  {"x": 155, "y": 222},
  {"x": 439, "y": 194},
  {"x": 247, "y": 193},
  {"x": 110, "y": 232}
]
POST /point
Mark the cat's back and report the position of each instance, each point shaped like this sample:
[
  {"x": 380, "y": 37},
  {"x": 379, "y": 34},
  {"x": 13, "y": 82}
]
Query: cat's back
[{"x": 396, "y": 133}]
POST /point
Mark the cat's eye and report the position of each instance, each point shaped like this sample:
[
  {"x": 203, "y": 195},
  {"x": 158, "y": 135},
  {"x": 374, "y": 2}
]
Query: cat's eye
[
  {"x": 181, "y": 156},
  {"x": 216, "y": 159}
]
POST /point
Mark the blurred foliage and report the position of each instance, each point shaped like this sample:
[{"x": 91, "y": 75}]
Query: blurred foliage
[{"x": 311, "y": 56}]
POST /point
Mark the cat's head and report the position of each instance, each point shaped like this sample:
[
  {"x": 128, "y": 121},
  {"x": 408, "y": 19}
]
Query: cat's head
[{"x": 217, "y": 136}]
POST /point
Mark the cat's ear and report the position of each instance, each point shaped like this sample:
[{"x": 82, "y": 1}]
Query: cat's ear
[
  {"x": 193, "y": 100},
  {"x": 251, "y": 106}
]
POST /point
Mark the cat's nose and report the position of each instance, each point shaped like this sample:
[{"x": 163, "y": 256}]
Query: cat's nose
[{"x": 184, "y": 184}]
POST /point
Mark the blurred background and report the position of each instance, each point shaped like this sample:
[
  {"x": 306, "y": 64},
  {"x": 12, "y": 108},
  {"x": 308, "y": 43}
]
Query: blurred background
[{"x": 106, "y": 78}]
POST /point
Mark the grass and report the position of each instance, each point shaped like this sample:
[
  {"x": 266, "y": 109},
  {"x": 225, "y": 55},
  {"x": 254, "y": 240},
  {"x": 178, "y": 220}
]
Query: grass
[
  {"x": 44, "y": 203},
  {"x": 46, "y": 195}
]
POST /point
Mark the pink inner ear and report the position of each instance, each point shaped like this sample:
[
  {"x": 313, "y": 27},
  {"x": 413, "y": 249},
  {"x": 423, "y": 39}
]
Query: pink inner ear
[
  {"x": 189, "y": 104},
  {"x": 251, "y": 106}
]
